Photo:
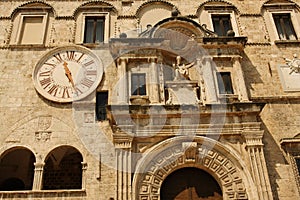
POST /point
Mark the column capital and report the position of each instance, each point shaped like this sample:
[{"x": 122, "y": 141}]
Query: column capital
[
  {"x": 39, "y": 166},
  {"x": 253, "y": 138}
]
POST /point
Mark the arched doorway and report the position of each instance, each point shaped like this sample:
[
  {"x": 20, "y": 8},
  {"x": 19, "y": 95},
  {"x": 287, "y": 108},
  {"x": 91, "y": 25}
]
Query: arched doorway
[
  {"x": 16, "y": 169},
  {"x": 190, "y": 184}
]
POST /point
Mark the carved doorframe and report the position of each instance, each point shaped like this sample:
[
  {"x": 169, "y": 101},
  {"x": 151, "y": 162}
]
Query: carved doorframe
[{"x": 223, "y": 163}]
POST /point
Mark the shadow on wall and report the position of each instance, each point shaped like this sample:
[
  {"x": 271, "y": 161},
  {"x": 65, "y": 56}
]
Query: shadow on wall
[{"x": 274, "y": 156}]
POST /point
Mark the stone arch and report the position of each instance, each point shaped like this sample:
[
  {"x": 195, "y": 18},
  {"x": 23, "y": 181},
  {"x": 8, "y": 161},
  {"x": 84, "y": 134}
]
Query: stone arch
[
  {"x": 63, "y": 169},
  {"x": 17, "y": 169},
  {"x": 279, "y": 2},
  {"x": 99, "y": 5},
  {"x": 33, "y": 5},
  {"x": 216, "y": 3},
  {"x": 159, "y": 9},
  {"x": 221, "y": 162}
]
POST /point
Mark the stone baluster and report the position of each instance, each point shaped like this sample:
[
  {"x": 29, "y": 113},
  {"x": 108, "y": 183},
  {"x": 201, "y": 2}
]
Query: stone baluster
[
  {"x": 254, "y": 147},
  {"x": 38, "y": 176}
]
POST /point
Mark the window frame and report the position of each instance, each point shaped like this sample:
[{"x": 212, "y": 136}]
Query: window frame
[
  {"x": 219, "y": 78},
  {"x": 269, "y": 10},
  {"x": 82, "y": 20},
  {"x": 94, "y": 34},
  {"x": 144, "y": 85},
  {"x": 283, "y": 26},
  {"x": 205, "y": 16},
  {"x": 224, "y": 33},
  {"x": 20, "y": 24}
]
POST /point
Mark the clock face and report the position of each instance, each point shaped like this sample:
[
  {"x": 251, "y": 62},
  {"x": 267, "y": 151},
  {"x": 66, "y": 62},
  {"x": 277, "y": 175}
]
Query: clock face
[{"x": 67, "y": 74}]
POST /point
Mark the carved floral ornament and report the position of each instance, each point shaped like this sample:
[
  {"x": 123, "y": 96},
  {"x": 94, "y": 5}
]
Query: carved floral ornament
[{"x": 294, "y": 64}]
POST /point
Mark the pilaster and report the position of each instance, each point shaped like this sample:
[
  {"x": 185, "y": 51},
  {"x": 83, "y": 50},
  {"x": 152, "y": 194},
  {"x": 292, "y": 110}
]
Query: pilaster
[{"x": 254, "y": 147}]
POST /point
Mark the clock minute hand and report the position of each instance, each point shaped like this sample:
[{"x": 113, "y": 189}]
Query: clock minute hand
[{"x": 68, "y": 74}]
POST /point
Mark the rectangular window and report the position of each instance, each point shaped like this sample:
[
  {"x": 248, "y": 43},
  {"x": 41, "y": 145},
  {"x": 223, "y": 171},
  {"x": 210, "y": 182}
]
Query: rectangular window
[
  {"x": 224, "y": 83},
  {"x": 94, "y": 29},
  {"x": 284, "y": 26},
  {"x": 32, "y": 31},
  {"x": 101, "y": 103},
  {"x": 138, "y": 84},
  {"x": 221, "y": 24}
]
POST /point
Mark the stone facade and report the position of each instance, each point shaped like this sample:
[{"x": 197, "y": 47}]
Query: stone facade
[{"x": 166, "y": 110}]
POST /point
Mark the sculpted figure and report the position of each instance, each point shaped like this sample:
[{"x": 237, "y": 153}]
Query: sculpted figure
[
  {"x": 182, "y": 69},
  {"x": 294, "y": 64}
]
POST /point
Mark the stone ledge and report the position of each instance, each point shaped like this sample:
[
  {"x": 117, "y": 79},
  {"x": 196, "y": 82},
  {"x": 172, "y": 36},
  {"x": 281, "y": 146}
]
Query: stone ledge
[{"x": 45, "y": 194}]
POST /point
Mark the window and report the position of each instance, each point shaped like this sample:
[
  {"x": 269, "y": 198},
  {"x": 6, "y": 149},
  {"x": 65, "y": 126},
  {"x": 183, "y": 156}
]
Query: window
[
  {"x": 101, "y": 102},
  {"x": 224, "y": 83},
  {"x": 284, "y": 26},
  {"x": 138, "y": 84},
  {"x": 94, "y": 29},
  {"x": 221, "y": 24},
  {"x": 32, "y": 30}
]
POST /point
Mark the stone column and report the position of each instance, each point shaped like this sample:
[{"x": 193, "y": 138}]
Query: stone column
[
  {"x": 122, "y": 86},
  {"x": 154, "y": 83},
  {"x": 84, "y": 168},
  {"x": 123, "y": 174},
  {"x": 254, "y": 147},
  {"x": 209, "y": 74},
  {"x": 38, "y": 176},
  {"x": 239, "y": 78}
]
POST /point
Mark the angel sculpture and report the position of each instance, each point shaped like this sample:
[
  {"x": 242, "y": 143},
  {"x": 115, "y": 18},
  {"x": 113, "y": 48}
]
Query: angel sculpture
[
  {"x": 294, "y": 64},
  {"x": 182, "y": 69}
]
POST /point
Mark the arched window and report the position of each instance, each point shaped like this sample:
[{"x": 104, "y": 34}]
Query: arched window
[
  {"x": 16, "y": 169},
  {"x": 63, "y": 169}
]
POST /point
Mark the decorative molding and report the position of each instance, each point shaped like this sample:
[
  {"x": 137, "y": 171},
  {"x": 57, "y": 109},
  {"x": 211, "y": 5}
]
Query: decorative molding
[{"x": 165, "y": 163}]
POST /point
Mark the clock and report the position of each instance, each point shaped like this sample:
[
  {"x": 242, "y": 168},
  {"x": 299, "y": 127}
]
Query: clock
[{"x": 67, "y": 74}]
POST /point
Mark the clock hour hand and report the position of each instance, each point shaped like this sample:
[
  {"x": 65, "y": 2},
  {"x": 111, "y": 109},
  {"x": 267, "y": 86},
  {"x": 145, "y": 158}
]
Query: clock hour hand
[{"x": 68, "y": 73}]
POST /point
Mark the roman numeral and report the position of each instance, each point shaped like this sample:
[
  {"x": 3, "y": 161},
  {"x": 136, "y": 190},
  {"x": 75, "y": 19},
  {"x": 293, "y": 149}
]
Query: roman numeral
[
  {"x": 78, "y": 91},
  {"x": 65, "y": 93},
  {"x": 80, "y": 57},
  {"x": 50, "y": 64},
  {"x": 87, "y": 82},
  {"x": 53, "y": 90},
  {"x": 58, "y": 57},
  {"x": 45, "y": 82},
  {"x": 46, "y": 73},
  {"x": 88, "y": 63},
  {"x": 91, "y": 73},
  {"x": 70, "y": 55}
]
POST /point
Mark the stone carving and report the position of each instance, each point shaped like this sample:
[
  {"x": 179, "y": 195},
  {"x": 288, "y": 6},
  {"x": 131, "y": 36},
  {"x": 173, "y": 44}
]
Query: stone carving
[
  {"x": 43, "y": 135},
  {"x": 294, "y": 64},
  {"x": 162, "y": 165},
  {"x": 190, "y": 149},
  {"x": 44, "y": 123},
  {"x": 89, "y": 117},
  {"x": 182, "y": 69}
]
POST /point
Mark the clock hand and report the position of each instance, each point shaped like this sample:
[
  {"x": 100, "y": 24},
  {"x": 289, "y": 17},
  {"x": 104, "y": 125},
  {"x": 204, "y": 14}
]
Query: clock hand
[{"x": 68, "y": 74}]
